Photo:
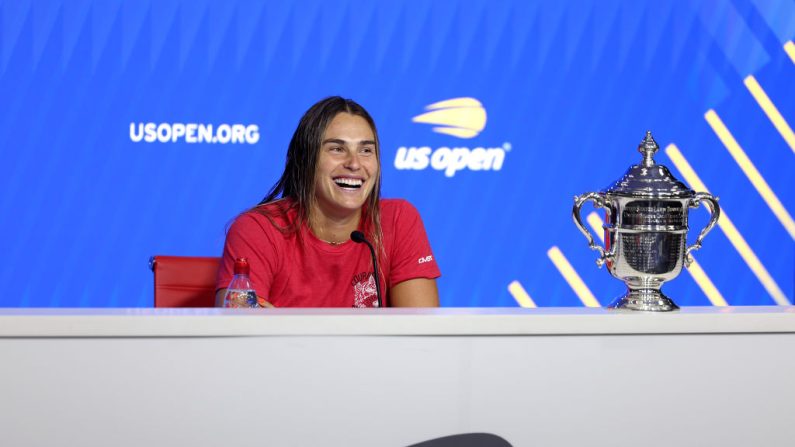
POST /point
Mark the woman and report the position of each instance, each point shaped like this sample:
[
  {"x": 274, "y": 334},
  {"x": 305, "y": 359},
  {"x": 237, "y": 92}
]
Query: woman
[{"x": 297, "y": 240}]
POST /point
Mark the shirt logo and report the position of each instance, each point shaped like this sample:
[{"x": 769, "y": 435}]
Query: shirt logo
[
  {"x": 459, "y": 117},
  {"x": 364, "y": 293},
  {"x": 425, "y": 259}
]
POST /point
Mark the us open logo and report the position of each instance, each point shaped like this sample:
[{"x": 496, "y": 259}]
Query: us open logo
[{"x": 463, "y": 118}]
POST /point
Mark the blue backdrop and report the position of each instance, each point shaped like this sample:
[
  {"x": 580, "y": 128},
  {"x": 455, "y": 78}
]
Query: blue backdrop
[{"x": 559, "y": 94}]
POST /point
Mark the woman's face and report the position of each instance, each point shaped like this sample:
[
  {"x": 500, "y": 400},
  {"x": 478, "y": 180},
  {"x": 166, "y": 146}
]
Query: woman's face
[{"x": 347, "y": 166}]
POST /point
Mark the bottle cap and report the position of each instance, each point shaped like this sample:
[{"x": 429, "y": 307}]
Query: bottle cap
[{"x": 241, "y": 266}]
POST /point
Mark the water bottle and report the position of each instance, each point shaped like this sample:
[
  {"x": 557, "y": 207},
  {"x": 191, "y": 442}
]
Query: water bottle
[{"x": 240, "y": 292}]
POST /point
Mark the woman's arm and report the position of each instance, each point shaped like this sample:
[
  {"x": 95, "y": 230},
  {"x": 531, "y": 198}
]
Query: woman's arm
[{"x": 418, "y": 292}]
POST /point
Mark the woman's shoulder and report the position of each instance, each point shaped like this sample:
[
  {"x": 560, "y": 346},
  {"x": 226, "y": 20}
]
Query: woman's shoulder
[
  {"x": 397, "y": 209},
  {"x": 270, "y": 217},
  {"x": 396, "y": 205}
]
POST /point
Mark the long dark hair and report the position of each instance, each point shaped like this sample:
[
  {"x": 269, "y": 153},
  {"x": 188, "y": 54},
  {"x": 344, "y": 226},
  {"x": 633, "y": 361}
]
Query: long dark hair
[{"x": 297, "y": 182}]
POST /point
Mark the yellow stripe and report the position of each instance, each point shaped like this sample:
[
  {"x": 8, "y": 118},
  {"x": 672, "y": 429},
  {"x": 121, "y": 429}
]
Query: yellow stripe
[
  {"x": 789, "y": 47},
  {"x": 729, "y": 229},
  {"x": 751, "y": 172},
  {"x": 695, "y": 270},
  {"x": 571, "y": 277},
  {"x": 706, "y": 284},
  {"x": 771, "y": 111},
  {"x": 520, "y": 294},
  {"x": 596, "y": 223}
]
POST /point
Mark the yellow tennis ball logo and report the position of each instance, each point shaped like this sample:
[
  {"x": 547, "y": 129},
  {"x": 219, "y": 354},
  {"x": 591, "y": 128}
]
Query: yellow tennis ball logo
[{"x": 460, "y": 117}]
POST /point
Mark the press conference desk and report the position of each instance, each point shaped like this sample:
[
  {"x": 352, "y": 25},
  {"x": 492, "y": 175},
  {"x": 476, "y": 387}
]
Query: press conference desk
[{"x": 393, "y": 377}]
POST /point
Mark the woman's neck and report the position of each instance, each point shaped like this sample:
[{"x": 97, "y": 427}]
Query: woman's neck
[{"x": 333, "y": 229}]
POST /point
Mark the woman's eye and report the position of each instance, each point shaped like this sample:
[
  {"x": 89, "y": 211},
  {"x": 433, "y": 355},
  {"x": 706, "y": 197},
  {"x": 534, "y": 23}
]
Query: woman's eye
[
  {"x": 336, "y": 149},
  {"x": 368, "y": 150}
]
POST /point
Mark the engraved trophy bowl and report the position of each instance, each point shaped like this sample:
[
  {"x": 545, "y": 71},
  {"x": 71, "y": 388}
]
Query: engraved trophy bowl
[{"x": 645, "y": 230}]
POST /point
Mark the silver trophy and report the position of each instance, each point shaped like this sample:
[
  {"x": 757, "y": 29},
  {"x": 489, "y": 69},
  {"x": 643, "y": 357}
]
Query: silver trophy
[{"x": 645, "y": 230}]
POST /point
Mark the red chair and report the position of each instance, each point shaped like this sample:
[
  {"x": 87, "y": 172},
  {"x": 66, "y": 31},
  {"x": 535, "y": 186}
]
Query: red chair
[{"x": 184, "y": 281}]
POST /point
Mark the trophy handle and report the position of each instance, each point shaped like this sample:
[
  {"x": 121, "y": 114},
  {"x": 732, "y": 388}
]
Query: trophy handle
[
  {"x": 599, "y": 202},
  {"x": 714, "y": 210}
]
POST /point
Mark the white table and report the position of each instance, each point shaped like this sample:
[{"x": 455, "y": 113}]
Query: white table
[{"x": 394, "y": 377}]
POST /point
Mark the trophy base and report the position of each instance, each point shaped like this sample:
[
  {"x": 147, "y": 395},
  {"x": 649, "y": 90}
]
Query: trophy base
[{"x": 649, "y": 300}]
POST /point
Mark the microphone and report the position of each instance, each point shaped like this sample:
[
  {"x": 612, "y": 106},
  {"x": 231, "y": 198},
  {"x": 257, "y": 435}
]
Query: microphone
[{"x": 358, "y": 237}]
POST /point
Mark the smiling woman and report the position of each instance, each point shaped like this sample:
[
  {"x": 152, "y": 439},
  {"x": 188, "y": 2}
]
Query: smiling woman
[{"x": 297, "y": 240}]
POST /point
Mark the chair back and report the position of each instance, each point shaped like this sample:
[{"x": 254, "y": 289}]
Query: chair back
[{"x": 184, "y": 281}]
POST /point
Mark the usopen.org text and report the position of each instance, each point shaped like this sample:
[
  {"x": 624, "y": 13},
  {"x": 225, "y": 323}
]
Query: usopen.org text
[{"x": 194, "y": 133}]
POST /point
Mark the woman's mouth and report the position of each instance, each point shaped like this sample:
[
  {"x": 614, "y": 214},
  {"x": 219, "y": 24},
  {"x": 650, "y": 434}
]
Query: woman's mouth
[{"x": 349, "y": 183}]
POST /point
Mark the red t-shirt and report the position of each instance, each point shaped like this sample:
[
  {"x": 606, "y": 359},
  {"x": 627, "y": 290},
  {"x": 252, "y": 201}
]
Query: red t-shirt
[{"x": 292, "y": 271}]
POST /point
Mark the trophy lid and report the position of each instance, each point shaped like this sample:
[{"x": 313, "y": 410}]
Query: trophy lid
[{"x": 648, "y": 179}]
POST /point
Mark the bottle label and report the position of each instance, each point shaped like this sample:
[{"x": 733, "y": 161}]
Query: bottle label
[{"x": 241, "y": 298}]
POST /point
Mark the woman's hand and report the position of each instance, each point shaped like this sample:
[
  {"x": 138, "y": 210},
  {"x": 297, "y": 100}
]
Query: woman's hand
[{"x": 262, "y": 303}]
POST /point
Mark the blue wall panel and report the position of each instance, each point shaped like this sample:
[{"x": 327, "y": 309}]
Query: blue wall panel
[{"x": 568, "y": 90}]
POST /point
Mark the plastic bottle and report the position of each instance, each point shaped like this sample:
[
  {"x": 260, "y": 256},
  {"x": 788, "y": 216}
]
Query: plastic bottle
[{"x": 240, "y": 292}]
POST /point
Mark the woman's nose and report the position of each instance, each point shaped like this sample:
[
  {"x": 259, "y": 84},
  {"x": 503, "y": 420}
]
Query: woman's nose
[{"x": 352, "y": 162}]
